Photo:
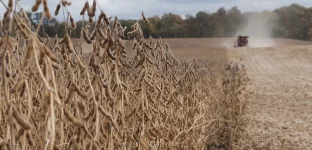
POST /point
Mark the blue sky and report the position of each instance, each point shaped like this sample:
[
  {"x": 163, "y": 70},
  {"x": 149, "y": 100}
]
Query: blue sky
[{"x": 131, "y": 9}]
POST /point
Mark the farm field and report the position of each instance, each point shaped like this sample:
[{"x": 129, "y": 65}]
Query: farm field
[
  {"x": 281, "y": 89},
  {"x": 96, "y": 82},
  {"x": 281, "y": 94}
]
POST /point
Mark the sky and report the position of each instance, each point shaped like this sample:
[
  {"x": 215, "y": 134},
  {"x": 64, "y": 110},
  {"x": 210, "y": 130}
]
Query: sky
[{"x": 131, "y": 9}]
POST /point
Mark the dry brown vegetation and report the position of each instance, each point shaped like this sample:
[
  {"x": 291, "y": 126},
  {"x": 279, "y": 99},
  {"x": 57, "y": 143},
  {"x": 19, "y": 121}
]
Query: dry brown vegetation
[
  {"x": 280, "y": 101},
  {"x": 56, "y": 97}
]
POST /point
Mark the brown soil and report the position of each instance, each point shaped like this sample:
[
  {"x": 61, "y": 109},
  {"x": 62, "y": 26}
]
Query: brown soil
[{"x": 281, "y": 98}]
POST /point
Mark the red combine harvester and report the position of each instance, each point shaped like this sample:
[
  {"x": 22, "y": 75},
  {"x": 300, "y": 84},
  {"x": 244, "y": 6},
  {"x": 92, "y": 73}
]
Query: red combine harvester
[{"x": 241, "y": 41}]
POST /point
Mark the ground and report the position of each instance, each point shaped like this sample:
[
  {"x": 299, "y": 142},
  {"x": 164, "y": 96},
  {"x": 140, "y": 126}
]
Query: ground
[
  {"x": 281, "y": 85},
  {"x": 281, "y": 99}
]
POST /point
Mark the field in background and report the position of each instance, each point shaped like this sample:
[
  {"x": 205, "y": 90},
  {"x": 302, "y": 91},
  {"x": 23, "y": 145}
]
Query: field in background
[
  {"x": 281, "y": 95},
  {"x": 211, "y": 50}
]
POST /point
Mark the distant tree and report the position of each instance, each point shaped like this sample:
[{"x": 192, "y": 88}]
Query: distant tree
[
  {"x": 219, "y": 19},
  {"x": 51, "y": 28},
  {"x": 294, "y": 21},
  {"x": 291, "y": 20},
  {"x": 233, "y": 21},
  {"x": 171, "y": 25}
]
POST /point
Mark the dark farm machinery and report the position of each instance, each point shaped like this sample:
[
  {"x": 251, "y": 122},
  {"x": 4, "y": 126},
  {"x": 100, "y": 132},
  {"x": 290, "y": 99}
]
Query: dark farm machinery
[{"x": 241, "y": 41}]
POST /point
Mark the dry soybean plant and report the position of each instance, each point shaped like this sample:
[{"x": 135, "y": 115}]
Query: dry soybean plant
[{"x": 54, "y": 98}]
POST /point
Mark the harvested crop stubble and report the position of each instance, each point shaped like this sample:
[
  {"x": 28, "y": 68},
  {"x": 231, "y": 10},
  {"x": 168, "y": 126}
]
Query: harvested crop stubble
[{"x": 149, "y": 101}]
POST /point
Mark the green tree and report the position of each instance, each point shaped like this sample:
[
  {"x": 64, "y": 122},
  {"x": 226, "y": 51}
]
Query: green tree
[{"x": 171, "y": 25}]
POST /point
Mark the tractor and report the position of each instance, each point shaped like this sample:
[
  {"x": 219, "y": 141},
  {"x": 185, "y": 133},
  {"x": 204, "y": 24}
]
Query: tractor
[{"x": 241, "y": 41}]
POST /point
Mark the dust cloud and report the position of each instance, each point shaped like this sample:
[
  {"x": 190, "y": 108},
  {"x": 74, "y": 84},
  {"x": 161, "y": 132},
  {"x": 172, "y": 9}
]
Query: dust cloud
[{"x": 258, "y": 26}]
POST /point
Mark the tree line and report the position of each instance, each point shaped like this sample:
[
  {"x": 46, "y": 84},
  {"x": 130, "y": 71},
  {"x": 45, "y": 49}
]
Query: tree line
[{"x": 294, "y": 21}]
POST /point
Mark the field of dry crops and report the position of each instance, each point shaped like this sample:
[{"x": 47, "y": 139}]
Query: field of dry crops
[
  {"x": 280, "y": 89},
  {"x": 280, "y": 98},
  {"x": 104, "y": 92},
  {"x": 280, "y": 92},
  {"x": 101, "y": 92}
]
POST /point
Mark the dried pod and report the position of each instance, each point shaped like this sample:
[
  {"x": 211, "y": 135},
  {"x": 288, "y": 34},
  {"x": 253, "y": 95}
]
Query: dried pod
[
  {"x": 86, "y": 7},
  {"x": 91, "y": 13},
  {"x": 25, "y": 17},
  {"x": 30, "y": 51},
  {"x": 82, "y": 107},
  {"x": 90, "y": 19},
  {"x": 131, "y": 113},
  {"x": 95, "y": 146},
  {"x": 134, "y": 32},
  {"x": 105, "y": 18},
  {"x": 87, "y": 132},
  {"x": 10, "y": 4},
  {"x": 46, "y": 9},
  {"x": 86, "y": 37},
  {"x": 72, "y": 21},
  {"x": 49, "y": 53},
  {"x": 36, "y": 6},
  {"x": 6, "y": 21},
  {"x": 69, "y": 44},
  {"x": 93, "y": 7},
  {"x": 109, "y": 116},
  {"x": 19, "y": 84},
  {"x": 70, "y": 94},
  {"x": 102, "y": 14},
  {"x": 23, "y": 90},
  {"x": 30, "y": 140},
  {"x": 108, "y": 93},
  {"x": 103, "y": 43},
  {"x": 144, "y": 18},
  {"x": 20, "y": 120},
  {"x": 57, "y": 9},
  {"x": 109, "y": 45},
  {"x": 72, "y": 119},
  {"x": 115, "y": 22},
  {"x": 79, "y": 135},
  {"x": 19, "y": 134},
  {"x": 55, "y": 65},
  {"x": 101, "y": 33},
  {"x": 79, "y": 92},
  {"x": 121, "y": 43}
]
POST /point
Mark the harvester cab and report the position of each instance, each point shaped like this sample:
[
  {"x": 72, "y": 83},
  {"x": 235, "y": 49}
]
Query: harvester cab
[{"x": 241, "y": 41}]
